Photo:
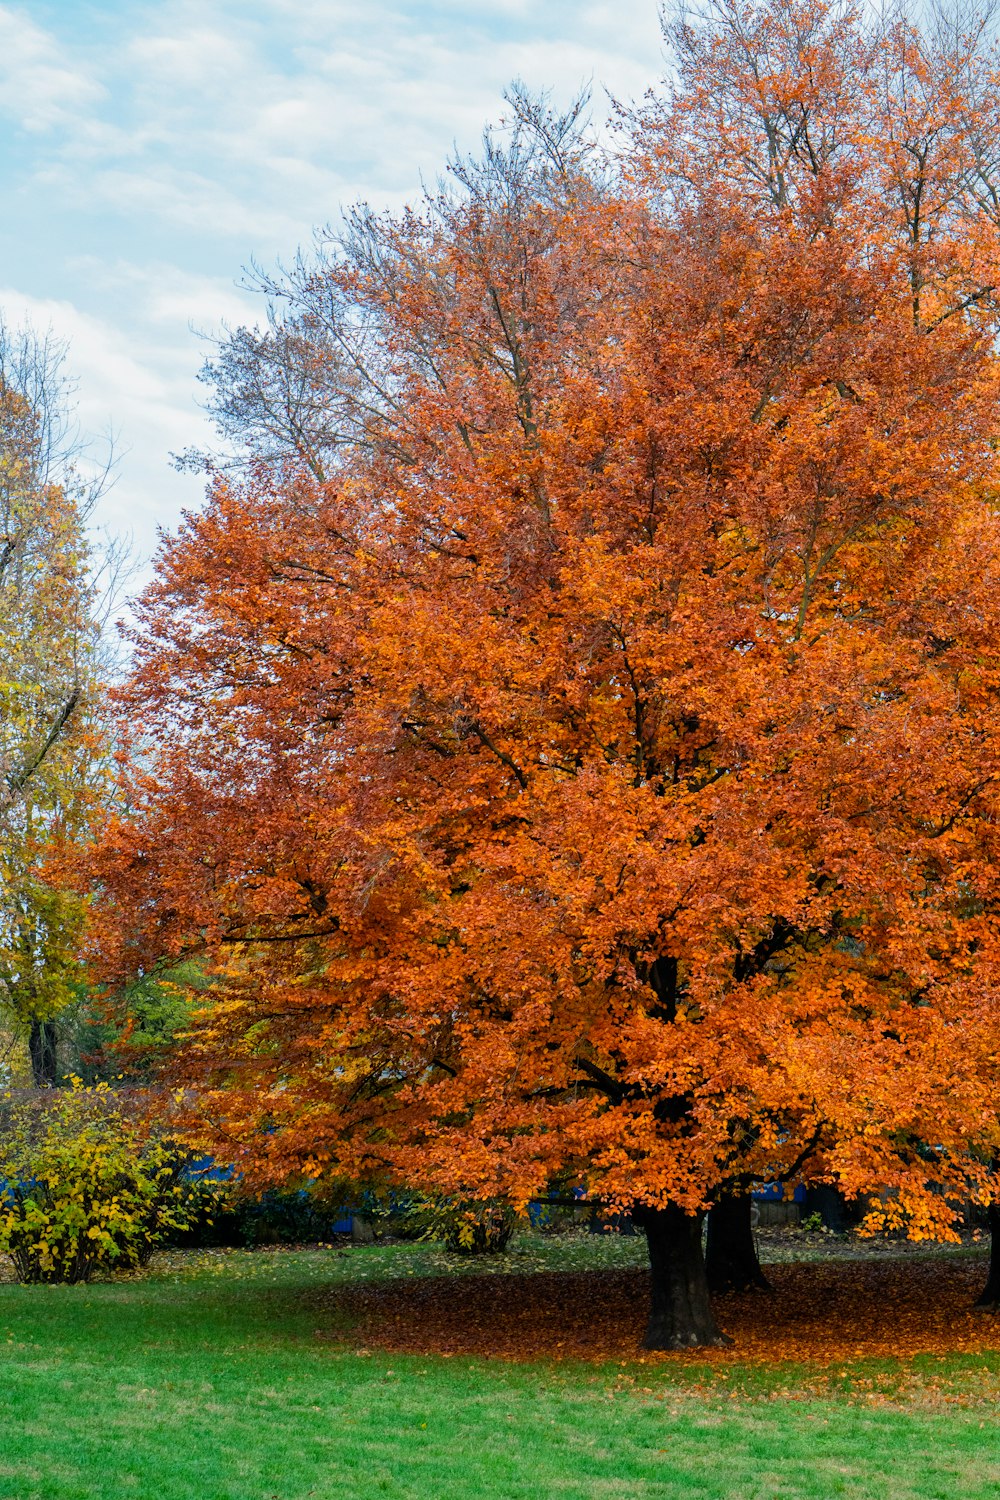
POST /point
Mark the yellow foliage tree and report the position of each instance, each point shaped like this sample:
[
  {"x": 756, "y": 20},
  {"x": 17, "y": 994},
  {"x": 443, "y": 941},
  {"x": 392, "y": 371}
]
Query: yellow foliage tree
[{"x": 52, "y": 750}]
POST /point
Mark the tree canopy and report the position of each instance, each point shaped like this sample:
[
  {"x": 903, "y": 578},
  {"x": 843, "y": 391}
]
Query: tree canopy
[{"x": 571, "y": 740}]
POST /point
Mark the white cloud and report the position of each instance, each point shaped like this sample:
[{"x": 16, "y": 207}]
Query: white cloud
[
  {"x": 175, "y": 298},
  {"x": 268, "y": 118},
  {"x": 171, "y": 141},
  {"x": 183, "y": 198},
  {"x": 137, "y": 394},
  {"x": 40, "y": 87}
]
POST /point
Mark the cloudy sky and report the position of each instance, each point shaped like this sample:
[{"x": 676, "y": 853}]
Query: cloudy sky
[{"x": 155, "y": 147}]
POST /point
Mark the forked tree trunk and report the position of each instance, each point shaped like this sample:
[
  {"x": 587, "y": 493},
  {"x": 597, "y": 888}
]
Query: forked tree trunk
[
  {"x": 42, "y": 1050},
  {"x": 989, "y": 1298},
  {"x": 681, "y": 1315},
  {"x": 731, "y": 1263}
]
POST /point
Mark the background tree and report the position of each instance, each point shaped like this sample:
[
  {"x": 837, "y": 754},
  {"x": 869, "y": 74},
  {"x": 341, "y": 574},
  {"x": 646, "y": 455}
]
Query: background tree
[
  {"x": 594, "y": 775},
  {"x": 53, "y": 747}
]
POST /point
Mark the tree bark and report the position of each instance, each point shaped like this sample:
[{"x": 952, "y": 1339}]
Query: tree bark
[
  {"x": 831, "y": 1205},
  {"x": 681, "y": 1315},
  {"x": 989, "y": 1298},
  {"x": 731, "y": 1263},
  {"x": 362, "y": 1232},
  {"x": 42, "y": 1050}
]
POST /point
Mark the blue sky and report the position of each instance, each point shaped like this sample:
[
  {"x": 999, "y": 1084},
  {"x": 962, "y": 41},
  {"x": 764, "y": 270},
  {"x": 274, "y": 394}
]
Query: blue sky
[{"x": 154, "y": 149}]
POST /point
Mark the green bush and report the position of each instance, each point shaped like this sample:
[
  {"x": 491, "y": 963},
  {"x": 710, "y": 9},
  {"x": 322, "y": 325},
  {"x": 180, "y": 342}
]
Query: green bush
[
  {"x": 224, "y": 1213},
  {"x": 86, "y": 1188},
  {"x": 467, "y": 1226}
]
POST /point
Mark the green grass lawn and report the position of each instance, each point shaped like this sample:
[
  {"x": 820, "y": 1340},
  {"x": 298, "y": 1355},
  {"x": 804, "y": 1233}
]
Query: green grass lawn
[{"x": 226, "y": 1377}]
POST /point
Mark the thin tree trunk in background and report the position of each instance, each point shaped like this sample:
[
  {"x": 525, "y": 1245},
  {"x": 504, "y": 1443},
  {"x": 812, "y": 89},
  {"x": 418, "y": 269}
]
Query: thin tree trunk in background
[
  {"x": 681, "y": 1315},
  {"x": 731, "y": 1262},
  {"x": 42, "y": 1050},
  {"x": 989, "y": 1298}
]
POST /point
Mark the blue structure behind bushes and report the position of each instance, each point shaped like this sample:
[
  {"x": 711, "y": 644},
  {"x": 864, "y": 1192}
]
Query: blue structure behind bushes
[{"x": 301, "y": 1217}]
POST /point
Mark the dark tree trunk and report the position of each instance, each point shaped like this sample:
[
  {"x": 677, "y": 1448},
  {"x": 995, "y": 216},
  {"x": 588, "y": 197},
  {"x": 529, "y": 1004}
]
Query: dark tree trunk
[
  {"x": 989, "y": 1298},
  {"x": 681, "y": 1314},
  {"x": 831, "y": 1205},
  {"x": 731, "y": 1263},
  {"x": 42, "y": 1049},
  {"x": 362, "y": 1232}
]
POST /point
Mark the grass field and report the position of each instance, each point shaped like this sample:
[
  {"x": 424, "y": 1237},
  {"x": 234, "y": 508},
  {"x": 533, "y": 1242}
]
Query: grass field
[{"x": 237, "y": 1377}]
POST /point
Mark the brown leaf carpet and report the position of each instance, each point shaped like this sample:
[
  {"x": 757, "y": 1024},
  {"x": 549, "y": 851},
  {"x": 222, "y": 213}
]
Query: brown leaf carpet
[{"x": 821, "y": 1312}]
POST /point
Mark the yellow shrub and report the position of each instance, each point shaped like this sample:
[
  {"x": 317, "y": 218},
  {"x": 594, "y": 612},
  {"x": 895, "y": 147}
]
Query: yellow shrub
[{"x": 85, "y": 1188}]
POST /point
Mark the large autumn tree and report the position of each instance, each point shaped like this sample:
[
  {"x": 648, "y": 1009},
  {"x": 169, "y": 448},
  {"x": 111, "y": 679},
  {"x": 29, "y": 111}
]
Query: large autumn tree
[{"x": 581, "y": 763}]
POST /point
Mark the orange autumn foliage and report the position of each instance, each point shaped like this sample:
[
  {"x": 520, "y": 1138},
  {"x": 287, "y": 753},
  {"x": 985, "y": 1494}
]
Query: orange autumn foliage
[{"x": 594, "y": 777}]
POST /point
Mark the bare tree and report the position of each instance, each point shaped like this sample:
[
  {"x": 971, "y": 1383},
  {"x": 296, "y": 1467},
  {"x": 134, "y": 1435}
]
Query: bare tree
[{"x": 325, "y": 373}]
